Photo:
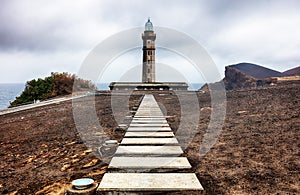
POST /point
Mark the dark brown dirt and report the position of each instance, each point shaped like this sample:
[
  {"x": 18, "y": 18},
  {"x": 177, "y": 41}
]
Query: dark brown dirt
[
  {"x": 257, "y": 151},
  {"x": 41, "y": 151}
]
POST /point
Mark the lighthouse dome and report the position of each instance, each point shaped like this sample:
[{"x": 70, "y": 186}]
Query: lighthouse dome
[{"x": 148, "y": 25}]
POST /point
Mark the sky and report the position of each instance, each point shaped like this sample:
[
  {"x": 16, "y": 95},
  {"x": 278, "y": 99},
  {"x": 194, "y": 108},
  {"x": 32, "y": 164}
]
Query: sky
[{"x": 40, "y": 37}]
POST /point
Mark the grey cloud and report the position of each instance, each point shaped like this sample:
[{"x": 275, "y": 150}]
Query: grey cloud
[
  {"x": 219, "y": 25},
  {"x": 26, "y": 28}
]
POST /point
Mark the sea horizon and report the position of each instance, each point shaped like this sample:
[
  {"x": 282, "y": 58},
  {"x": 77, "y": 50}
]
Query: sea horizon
[{"x": 9, "y": 91}]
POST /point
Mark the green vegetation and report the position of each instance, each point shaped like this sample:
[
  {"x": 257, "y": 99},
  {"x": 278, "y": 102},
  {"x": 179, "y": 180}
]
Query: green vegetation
[{"x": 57, "y": 84}]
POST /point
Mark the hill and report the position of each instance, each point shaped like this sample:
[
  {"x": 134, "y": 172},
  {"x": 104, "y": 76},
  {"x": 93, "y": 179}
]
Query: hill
[
  {"x": 256, "y": 71},
  {"x": 292, "y": 72},
  {"x": 246, "y": 75}
]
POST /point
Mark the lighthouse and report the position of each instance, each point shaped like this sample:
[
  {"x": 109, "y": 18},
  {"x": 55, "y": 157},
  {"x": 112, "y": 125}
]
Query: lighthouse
[
  {"x": 149, "y": 81},
  {"x": 148, "y": 37}
]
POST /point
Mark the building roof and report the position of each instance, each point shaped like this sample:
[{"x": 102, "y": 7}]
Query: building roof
[{"x": 157, "y": 85}]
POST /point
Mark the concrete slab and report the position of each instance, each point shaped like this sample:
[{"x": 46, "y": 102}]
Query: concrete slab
[
  {"x": 150, "y": 106},
  {"x": 150, "y": 109},
  {"x": 149, "y": 117},
  {"x": 149, "y": 114},
  {"x": 149, "y": 182},
  {"x": 147, "y": 108},
  {"x": 150, "y": 125},
  {"x": 149, "y": 141},
  {"x": 149, "y": 134},
  {"x": 149, "y": 150},
  {"x": 148, "y": 122},
  {"x": 150, "y": 163},
  {"x": 155, "y": 129}
]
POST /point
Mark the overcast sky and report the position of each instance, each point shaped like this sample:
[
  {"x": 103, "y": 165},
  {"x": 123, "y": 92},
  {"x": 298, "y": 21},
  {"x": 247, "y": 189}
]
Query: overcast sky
[{"x": 40, "y": 37}]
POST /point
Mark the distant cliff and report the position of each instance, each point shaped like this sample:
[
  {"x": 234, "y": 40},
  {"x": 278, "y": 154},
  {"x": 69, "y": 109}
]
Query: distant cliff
[{"x": 246, "y": 75}]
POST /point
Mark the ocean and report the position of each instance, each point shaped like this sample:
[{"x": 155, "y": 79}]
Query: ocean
[
  {"x": 195, "y": 86},
  {"x": 9, "y": 92}
]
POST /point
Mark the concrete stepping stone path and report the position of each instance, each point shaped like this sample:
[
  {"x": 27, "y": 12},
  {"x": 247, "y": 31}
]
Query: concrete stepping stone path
[{"x": 148, "y": 158}]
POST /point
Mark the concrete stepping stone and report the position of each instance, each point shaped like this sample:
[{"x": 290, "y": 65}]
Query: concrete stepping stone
[
  {"x": 149, "y": 113},
  {"x": 150, "y": 125},
  {"x": 149, "y": 150},
  {"x": 155, "y": 129},
  {"x": 150, "y": 163},
  {"x": 142, "y": 117},
  {"x": 153, "y": 118},
  {"x": 149, "y": 122},
  {"x": 152, "y": 112},
  {"x": 149, "y": 182},
  {"x": 149, "y": 110},
  {"x": 149, "y": 141},
  {"x": 155, "y": 109},
  {"x": 149, "y": 134}
]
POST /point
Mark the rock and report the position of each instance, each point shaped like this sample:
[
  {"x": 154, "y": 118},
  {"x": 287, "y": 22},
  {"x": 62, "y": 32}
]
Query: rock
[
  {"x": 86, "y": 152},
  {"x": 30, "y": 160},
  {"x": 71, "y": 143},
  {"x": 98, "y": 172},
  {"x": 65, "y": 167},
  {"x": 242, "y": 112},
  {"x": 90, "y": 164},
  {"x": 206, "y": 109},
  {"x": 75, "y": 160},
  {"x": 44, "y": 145}
]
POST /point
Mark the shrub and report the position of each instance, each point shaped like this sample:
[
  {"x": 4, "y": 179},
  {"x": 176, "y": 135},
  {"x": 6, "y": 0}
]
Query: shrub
[{"x": 57, "y": 84}]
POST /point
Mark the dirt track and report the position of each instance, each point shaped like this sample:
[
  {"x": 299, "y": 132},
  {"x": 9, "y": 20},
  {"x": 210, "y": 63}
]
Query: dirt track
[{"x": 257, "y": 152}]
